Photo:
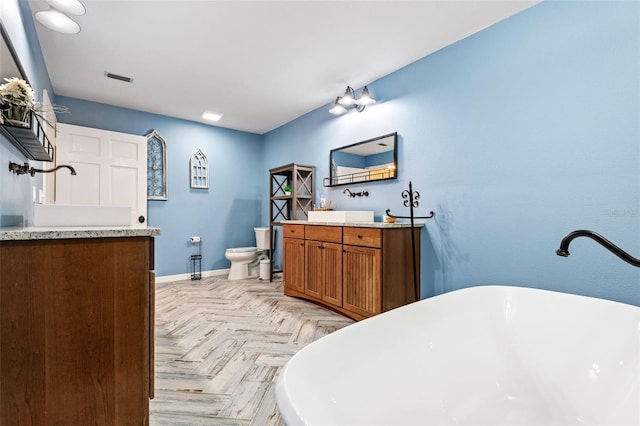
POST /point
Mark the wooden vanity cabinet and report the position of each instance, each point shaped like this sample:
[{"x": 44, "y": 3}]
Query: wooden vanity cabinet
[
  {"x": 358, "y": 271},
  {"x": 76, "y": 331}
]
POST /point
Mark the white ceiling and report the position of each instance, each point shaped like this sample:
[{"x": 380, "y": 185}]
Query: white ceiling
[{"x": 260, "y": 63}]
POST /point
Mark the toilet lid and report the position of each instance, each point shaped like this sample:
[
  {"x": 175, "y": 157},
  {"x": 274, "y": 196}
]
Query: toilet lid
[{"x": 242, "y": 249}]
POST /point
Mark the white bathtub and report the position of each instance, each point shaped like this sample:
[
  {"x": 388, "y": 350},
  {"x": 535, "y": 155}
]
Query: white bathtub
[{"x": 491, "y": 355}]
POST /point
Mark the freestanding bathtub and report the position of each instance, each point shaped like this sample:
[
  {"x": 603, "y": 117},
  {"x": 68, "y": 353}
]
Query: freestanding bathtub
[{"x": 490, "y": 355}]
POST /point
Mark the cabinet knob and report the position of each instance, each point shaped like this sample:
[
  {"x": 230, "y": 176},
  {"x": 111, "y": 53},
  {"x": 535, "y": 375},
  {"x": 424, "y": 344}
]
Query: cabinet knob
[{"x": 359, "y": 237}]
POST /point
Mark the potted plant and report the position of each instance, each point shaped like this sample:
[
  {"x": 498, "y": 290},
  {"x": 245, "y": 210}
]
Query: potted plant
[
  {"x": 21, "y": 100},
  {"x": 287, "y": 190}
]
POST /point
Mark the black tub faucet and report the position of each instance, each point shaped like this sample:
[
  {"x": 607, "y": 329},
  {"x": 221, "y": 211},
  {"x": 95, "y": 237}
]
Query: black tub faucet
[{"x": 564, "y": 246}]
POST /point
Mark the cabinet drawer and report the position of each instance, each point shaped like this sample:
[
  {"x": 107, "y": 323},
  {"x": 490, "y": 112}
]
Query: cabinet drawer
[
  {"x": 330, "y": 234},
  {"x": 293, "y": 231},
  {"x": 368, "y": 237}
]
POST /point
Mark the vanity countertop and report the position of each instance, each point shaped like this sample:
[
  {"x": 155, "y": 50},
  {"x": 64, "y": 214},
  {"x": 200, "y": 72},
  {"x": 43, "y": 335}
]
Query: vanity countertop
[
  {"x": 16, "y": 233},
  {"x": 383, "y": 225}
]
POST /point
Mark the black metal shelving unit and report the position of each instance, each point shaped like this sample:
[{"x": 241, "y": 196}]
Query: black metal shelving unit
[
  {"x": 293, "y": 206},
  {"x": 31, "y": 141}
]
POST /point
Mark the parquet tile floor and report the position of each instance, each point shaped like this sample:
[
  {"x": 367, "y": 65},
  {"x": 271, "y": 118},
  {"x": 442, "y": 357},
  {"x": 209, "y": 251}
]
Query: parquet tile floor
[{"x": 219, "y": 346}]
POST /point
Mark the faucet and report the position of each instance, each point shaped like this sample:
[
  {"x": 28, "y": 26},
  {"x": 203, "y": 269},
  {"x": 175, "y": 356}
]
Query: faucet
[
  {"x": 564, "y": 246},
  {"x": 356, "y": 194},
  {"x": 24, "y": 169}
]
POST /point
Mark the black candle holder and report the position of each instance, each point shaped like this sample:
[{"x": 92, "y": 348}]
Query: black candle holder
[{"x": 411, "y": 198}]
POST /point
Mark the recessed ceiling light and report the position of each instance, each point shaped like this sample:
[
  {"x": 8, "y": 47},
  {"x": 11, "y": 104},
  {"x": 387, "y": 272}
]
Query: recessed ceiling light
[
  {"x": 57, "y": 21},
  {"x": 212, "y": 116},
  {"x": 73, "y": 7}
]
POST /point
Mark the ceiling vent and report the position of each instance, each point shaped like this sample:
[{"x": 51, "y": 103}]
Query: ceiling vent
[{"x": 118, "y": 77}]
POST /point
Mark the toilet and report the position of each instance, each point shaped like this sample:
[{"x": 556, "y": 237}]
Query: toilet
[{"x": 245, "y": 261}]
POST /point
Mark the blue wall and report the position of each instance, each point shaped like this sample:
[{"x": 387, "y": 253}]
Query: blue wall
[
  {"x": 223, "y": 215},
  {"x": 354, "y": 160},
  {"x": 514, "y": 137},
  {"x": 349, "y": 160},
  {"x": 16, "y": 207},
  {"x": 378, "y": 159}
]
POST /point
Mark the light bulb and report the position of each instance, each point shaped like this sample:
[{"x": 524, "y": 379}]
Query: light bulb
[
  {"x": 337, "y": 109},
  {"x": 347, "y": 99},
  {"x": 365, "y": 98}
]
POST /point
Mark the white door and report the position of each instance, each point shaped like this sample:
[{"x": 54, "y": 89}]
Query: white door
[{"x": 111, "y": 167}]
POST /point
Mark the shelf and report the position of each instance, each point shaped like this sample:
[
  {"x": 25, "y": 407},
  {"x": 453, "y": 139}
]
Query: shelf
[
  {"x": 32, "y": 142},
  {"x": 296, "y": 205},
  {"x": 290, "y": 197}
]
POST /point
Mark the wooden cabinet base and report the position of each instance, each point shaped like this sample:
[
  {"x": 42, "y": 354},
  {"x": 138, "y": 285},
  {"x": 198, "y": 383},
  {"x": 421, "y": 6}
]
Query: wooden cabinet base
[
  {"x": 356, "y": 271},
  {"x": 75, "y": 330}
]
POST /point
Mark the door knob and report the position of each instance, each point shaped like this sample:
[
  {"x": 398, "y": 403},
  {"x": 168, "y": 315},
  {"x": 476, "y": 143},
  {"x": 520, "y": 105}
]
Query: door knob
[{"x": 141, "y": 219}]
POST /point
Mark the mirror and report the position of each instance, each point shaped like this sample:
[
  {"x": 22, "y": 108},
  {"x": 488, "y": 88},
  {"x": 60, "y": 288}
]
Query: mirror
[{"x": 371, "y": 160}]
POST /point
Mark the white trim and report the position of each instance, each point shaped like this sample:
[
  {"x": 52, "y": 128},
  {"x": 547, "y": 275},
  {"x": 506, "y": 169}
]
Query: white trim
[{"x": 181, "y": 277}]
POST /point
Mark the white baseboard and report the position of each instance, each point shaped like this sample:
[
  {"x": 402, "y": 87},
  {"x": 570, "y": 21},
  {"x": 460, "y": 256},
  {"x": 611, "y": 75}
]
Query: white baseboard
[{"x": 181, "y": 277}]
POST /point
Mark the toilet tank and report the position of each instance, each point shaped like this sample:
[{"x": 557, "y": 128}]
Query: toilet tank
[{"x": 262, "y": 238}]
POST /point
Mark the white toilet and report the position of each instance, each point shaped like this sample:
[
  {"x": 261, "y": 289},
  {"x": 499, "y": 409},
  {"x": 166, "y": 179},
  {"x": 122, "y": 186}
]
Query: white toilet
[{"x": 245, "y": 261}]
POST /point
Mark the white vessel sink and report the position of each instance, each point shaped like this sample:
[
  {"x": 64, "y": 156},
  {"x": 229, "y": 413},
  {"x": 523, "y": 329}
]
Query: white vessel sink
[
  {"x": 70, "y": 215},
  {"x": 341, "y": 216}
]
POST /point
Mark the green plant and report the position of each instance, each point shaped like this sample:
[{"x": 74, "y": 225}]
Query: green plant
[{"x": 288, "y": 188}]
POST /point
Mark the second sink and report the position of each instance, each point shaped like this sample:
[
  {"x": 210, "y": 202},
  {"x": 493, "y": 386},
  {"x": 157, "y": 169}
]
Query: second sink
[{"x": 341, "y": 216}]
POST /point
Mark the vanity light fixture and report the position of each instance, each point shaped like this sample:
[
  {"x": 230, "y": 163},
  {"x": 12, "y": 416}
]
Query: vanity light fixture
[
  {"x": 55, "y": 18},
  {"x": 212, "y": 116},
  {"x": 349, "y": 100}
]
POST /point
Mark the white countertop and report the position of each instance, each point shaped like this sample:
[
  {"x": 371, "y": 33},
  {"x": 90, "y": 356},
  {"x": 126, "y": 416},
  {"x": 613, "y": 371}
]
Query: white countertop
[
  {"x": 383, "y": 225},
  {"x": 17, "y": 233}
]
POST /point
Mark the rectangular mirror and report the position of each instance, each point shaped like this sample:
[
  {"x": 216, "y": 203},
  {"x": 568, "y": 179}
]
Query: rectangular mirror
[{"x": 371, "y": 160}]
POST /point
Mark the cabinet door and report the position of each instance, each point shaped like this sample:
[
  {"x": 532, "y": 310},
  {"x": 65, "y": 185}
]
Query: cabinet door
[
  {"x": 315, "y": 269},
  {"x": 362, "y": 280},
  {"x": 324, "y": 271},
  {"x": 75, "y": 331},
  {"x": 332, "y": 269},
  {"x": 293, "y": 264}
]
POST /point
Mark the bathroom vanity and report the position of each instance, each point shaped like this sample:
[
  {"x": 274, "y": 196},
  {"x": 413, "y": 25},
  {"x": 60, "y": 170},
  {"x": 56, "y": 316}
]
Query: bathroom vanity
[
  {"x": 76, "y": 325},
  {"x": 359, "y": 270}
]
